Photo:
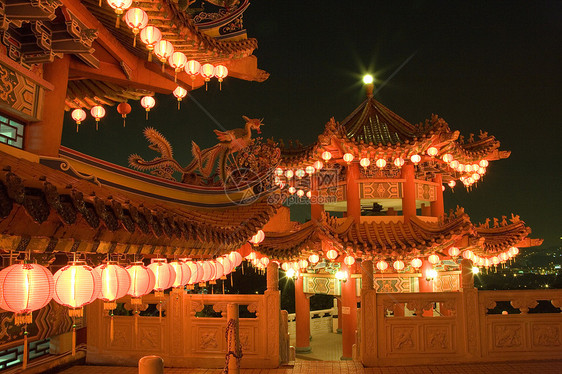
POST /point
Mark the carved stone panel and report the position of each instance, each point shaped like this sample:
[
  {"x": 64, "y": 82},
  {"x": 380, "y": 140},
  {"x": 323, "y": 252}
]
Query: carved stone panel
[
  {"x": 438, "y": 338},
  {"x": 403, "y": 339},
  {"x": 545, "y": 336},
  {"x": 507, "y": 336},
  {"x": 247, "y": 340},
  {"x": 150, "y": 338},
  {"x": 208, "y": 338},
  {"x": 122, "y": 336}
]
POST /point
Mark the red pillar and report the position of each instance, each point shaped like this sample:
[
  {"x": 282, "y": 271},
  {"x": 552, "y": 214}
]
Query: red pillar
[
  {"x": 425, "y": 285},
  {"x": 437, "y": 206},
  {"x": 352, "y": 192},
  {"x": 339, "y": 316},
  {"x": 408, "y": 191},
  {"x": 302, "y": 314},
  {"x": 349, "y": 312},
  {"x": 316, "y": 209},
  {"x": 44, "y": 137}
]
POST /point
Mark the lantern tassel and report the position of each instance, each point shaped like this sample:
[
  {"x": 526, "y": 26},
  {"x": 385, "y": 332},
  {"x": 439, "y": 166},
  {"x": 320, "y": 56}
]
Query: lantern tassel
[
  {"x": 99, "y": 3},
  {"x": 123, "y": 121},
  {"x": 176, "y": 76},
  {"x": 160, "y": 312},
  {"x": 149, "y": 56},
  {"x": 179, "y": 104},
  {"x": 73, "y": 339},
  {"x": 117, "y": 23},
  {"x": 163, "y": 68},
  {"x": 231, "y": 281},
  {"x": 135, "y": 41},
  {"x": 25, "y": 347},
  {"x": 111, "y": 328},
  {"x": 136, "y": 322},
  {"x": 77, "y": 128},
  {"x": 97, "y": 123},
  {"x": 223, "y": 287},
  {"x": 220, "y": 85},
  {"x": 206, "y": 86}
]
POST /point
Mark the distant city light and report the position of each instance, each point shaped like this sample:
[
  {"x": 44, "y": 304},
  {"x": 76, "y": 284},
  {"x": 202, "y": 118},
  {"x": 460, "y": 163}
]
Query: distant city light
[
  {"x": 475, "y": 270},
  {"x": 368, "y": 79}
]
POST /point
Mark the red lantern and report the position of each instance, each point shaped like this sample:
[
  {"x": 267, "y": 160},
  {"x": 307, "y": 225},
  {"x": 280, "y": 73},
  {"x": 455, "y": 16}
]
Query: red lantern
[
  {"x": 447, "y": 157},
  {"x": 483, "y": 163},
  {"x": 25, "y": 288},
  {"x": 258, "y": 238},
  {"x": 150, "y": 35},
  {"x": 514, "y": 251},
  {"x": 164, "y": 275},
  {"x": 454, "y": 251},
  {"x": 454, "y": 164},
  {"x": 467, "y": 254},
  {"x": 177, "y": 61},
  {"x": 76, "y": 285},
  {"x": 432, "y": 151},
  {"x": 124, "y": 109},
  {"x": 326, "y": 156},
  {"x": 415, "y": 159},
  {"x": 227, "y": 265},
  {"x": 332, "y": 254},
  {"x": 192, "y": 68},
  {"x": 219, "y": 270},
  {"x": 285, "y": 266},
  {"x": 310, "y": 170},
  {"x": 221, "y": 72},
  {"x": 398, "y": 265},
  {"x": 348, "y": 157},
  {"x": 78, "y": 115},
  {"x": 265, "y": 261},
  {"x": 163, "y": 50},
  {"x": 433, "y": 259},
  {"x": 313, "y": 258},
  {"x": 452, "y": 184},
  {"x": 98, "y": 112},
  {"x": 142, "y": 281},
  {"x": 416, "y": 263},
  {"x": 300, "y": 193},
  {"x": 136, "y": 19},
  {"x": 382, "y": 265},
  {"x": 398, "y": 162},
  {"x": 180, "y": 93},
  {"x": 236, "y": 258},
  {"x": 195, "y": 273},
  {"x": 365, "y": 162},
  {"x": 115, "y": 283},
  {"x": 302, "y": 264},
  {"x": 207, "y": 71},
  {"x": 183, "y": 274},
  {"x": 381, "y": 163},
  {"x": 349, "y": 260},
  {"x": 120, "y": 6},
  {"x": 208, "y": 271},
  {"x": 318, "y": 165},
  {"x": 148, "y": 103}
]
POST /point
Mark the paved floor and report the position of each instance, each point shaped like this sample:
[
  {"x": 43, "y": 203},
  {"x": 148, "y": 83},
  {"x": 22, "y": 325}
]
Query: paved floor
[
  {"x": 324, "y": 347},
  {"x": 350, "y": 367}
]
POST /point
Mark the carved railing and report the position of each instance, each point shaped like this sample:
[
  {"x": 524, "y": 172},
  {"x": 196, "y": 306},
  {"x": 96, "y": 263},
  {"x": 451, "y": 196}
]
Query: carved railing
[
  {"x": 320, "y": 321},
  {"x": 190, "y": 331}
]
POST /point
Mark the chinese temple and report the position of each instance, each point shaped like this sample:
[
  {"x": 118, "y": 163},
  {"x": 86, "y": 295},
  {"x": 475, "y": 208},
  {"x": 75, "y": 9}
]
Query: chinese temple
[{"x": 109, "y": 264}]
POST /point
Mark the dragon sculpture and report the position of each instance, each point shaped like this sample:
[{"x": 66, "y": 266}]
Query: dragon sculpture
[{"x": 236, "y": 150}]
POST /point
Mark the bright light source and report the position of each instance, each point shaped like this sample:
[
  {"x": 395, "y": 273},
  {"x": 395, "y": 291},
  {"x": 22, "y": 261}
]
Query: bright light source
[
  {"x": 291, "y": 273},
  {"x": 431, "y": 274},
  {"x": 475, "y": 270},
  {"x": 368, "y": 79},
  {"x": 341, "y": 275}
]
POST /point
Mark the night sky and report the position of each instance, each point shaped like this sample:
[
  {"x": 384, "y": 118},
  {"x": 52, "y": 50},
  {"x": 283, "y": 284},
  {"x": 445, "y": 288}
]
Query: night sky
[{"x": 490, "y": 65}]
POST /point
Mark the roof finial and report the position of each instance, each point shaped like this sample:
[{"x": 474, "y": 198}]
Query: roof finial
[{"x": 369, "y": 86}]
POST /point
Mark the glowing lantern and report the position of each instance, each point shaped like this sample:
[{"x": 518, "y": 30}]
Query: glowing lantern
[
  {"x": 467, "y": 254},
  {"x": 76, "y": 285},
  {"x": 416, "y": 263},
  {"x": 481, "y": 170},
  {"x": 180, "y": 93},
  {"x": 447, "y": 157},
  {"x": 300, "y": 193},
  {"x": 326, "y": 156},
  {"x": 460, "y": 168},
  {"x": 219, "y": 270},
  {"x": 227, "y": 265},
  {"x": 150, "y": 35},
  {"x": 300, "y": 173},
  {"x": 98, "y": 112},
  {"x": 303, "y": 264},
  {"x": 454, "y": 251},
  {"x": 147, "y": 102},
  {"x": 452, "y": 184},
  {"x": 432, "y": 151},
  {"x": 285, "y": 266},
  {"x": 365, "y": 162},
  {"x": 348, "y": 157},
  {"x": 476, "y": 176},
  {"x": 142, "y": 281},
  {"x": 483, "y": 163},
  {"x": 183, "y": 273},
  {"x": 332, "y": 254},
  {"x": 163, "y": 50},
  {"x": 504, "y": 257},
  {"x": 221, "y": 72},
  {"x": 278, "y": 172},
  {"x": 313, "y": 258},
  {"x": 258, "y": 238},
  {"x": 164, "y": 275},
  {"x": 415, "y": 159},
  {"x": 398, "y": 265},
  {"x": 25, "y": 288},
  {"x": 177, "y": 60},
  {"x": 454, "y": 164},
  {"x": 120, "y": 6},
  {"x": 136, "y": 19},
  {"x": 309, "y": 194},
  {"x": 398, "y": 162},
  {"x": 349, "y": 260},
  {"x": 192, "y": 68},
  {"x": 495, "y": 260},
  {"x": 514, "y": 251},
  {"x": 196, "y": 273},
  {"x": 124, "y": 108},
  {"x": 252, "y": 256},
  {"x": 78, "y": 115},
  {"x": 310, "y": 170},
  {"x": 236, "y": 258},
  {"x": 208, "y": 271},
  {"x": 115, "y": 282},
  {"x": 318, "y": 165},
  {"x": 382, "y": 265},
  {"x": 292, "y": 190},
  {"x": 433, "y": 259},
  {"x": 381, "y": 163},
  {"x": 264, "y": 261},
  {"x": 289, "y": 174},
  {"x": 207, "y": 72}
]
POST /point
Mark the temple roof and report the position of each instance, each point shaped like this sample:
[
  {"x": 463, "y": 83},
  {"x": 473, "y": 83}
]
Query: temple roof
[{"x": 65, "y": 210}]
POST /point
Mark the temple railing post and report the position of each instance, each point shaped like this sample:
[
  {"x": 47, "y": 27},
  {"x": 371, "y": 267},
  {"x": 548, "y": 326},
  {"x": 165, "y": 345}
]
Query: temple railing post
[
  {"x": 368, "y": 334},
  {"x": 233, "y": 342}
]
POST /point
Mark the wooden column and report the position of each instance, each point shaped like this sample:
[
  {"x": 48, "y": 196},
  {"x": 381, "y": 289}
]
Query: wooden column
[
  {"x": 316, "y": 209},
  {"x": 44, "y": 137},
  {"x": 408, "y": 191},
  {"x": 352, "y": 192},
  {"x": 367, "y": 275},
  {"x": 302, "y": 315},
  {"x": 349, "y": 313},
  {"x": 272, "y": 276},
  {"x": 437, "y": 206},
  {"x": 368, "y": 334},
  {"x": 467, "y": 276},
  {"x": 233, "y": 363},
  {"x": 425, "y": 285}
]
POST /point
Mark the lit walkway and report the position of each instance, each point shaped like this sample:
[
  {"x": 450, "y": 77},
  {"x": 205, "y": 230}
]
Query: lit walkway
[
  {"x": 325, "y": 347},
  {"x": 350, "y": 367}
]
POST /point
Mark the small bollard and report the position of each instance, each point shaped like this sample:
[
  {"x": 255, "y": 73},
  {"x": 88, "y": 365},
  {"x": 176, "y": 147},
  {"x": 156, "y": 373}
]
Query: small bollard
[{"x": 151, "y": 365}]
